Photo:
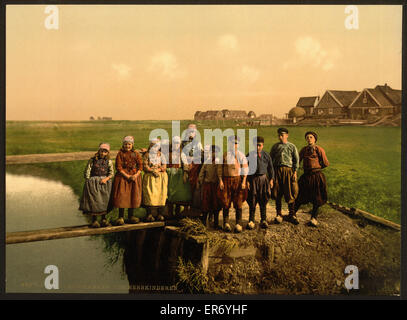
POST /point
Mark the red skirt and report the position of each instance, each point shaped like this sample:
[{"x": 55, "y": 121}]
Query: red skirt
[{"x": 210, "y": 201}]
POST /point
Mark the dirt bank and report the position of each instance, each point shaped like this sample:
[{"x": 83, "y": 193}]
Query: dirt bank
[{"x": 288, "y": 259}]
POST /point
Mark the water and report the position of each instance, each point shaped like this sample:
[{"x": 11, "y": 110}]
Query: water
[{"x": 36, "y": 203}]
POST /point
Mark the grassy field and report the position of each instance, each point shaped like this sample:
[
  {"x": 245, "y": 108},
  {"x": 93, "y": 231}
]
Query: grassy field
[{"x": 364, "y": 172}]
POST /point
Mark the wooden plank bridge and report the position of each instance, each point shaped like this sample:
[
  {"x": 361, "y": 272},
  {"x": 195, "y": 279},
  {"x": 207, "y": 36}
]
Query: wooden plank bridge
[{"x": 74, "y": 231}]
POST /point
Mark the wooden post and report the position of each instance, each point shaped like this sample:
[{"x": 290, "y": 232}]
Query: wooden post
[{"x": 365, "y": 215}]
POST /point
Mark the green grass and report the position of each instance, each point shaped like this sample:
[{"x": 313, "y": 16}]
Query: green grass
[
  {"x": 364, "y": 171},
  {"x": 49, "y": 137}
]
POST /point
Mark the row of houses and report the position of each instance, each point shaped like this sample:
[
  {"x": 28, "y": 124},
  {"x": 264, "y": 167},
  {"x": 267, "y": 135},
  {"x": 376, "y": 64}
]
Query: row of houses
[
  {"x": 248, "y": 118},
  {"x": 224, "y": 114},
  {"x": 356, "y": 105}
]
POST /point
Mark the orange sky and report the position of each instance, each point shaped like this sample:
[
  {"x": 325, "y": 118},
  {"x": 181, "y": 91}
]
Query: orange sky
[{"x": 167, "y": 61}]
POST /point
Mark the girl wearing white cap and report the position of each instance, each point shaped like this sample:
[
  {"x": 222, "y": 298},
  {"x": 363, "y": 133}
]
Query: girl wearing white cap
[
  {"x": 98, "y": 186},
  {"x": 127, "y": 182},
  {"x": 155, "y": 182}
]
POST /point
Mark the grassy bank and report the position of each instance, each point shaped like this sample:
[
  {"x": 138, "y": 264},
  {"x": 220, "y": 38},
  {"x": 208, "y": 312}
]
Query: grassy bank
[{"x": 364, "y": 172}]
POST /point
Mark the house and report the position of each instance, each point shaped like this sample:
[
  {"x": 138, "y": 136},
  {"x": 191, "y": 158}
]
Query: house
[
  {"x": 377, "y": 102},
  {"x": 214, "y": 115},
  {"x": 265, "y": 119},
  {"x": 224, "y": 114},
  {"x": 393, "y": 95},
  {"x": 335, "y": 104},
  {"x": 197, "y": 115},
  {"x": 234, "y": 114},
  {"x": 208, "y": 115},
  {"x": 308, "y": 104}
]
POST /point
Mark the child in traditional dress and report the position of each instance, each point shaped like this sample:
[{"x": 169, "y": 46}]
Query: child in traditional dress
[
  {"x": 259, "y": 182},
  {"x": 179, "y": 189},
  {"x": 127, "y": 182},
  {"x": 285, "y": 159},
  {"x": 192, "y": 148},
  {"x": 232, "y": 174},
  {"x": 98, "y": 186},
  {"x": 312, "y": 184},
  {"x": 208, "y": 181},
  {"x": 155, "y": 182}
]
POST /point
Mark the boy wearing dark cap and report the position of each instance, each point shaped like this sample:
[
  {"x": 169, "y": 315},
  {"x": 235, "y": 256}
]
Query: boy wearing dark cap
[
  {"x": 260, "y": 182},
  {"x": 232, "y": 174},
  {"x": 312, "y": 184},
  {"x": 286, "y": 161}
]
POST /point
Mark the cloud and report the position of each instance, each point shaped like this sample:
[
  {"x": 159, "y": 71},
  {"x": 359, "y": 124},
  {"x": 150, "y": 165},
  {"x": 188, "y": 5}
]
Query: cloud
[
  {"x": 228, "y": 42},
  {"x": 309, "y": 51},
  {"x": 166, "y": 64},
  {"x": 249, "y": 74},
  {"x": 121, "y": 69}
]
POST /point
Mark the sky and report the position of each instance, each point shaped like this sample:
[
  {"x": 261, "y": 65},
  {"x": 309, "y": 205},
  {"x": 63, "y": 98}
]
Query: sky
[{"x": 159, "y": 62}]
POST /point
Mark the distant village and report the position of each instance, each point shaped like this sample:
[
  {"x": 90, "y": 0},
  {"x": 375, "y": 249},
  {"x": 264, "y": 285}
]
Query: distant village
[
  {"x": 92, "y": 118},
  {"x": 371, "y": 106}
]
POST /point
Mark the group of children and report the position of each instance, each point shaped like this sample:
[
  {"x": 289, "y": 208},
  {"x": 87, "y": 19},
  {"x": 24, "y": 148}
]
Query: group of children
[{"x": 190, "y": 175}]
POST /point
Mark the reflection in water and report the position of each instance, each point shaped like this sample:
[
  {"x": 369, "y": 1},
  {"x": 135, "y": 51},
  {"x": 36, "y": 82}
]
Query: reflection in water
[
  {"x": 35, "y": 203},
  {"x": 149, "y": 259},
  {"x": 149, "y": 262},
  {"x": 152, "y": 261}
]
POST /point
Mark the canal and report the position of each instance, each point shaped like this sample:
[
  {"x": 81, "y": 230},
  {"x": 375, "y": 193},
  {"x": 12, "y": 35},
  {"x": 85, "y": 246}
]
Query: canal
[{"x": 84, "y": 263}]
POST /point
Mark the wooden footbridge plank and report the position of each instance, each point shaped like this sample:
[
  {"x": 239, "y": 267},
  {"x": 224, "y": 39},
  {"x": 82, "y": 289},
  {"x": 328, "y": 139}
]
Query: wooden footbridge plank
[{"x": 74, "y": 231}]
